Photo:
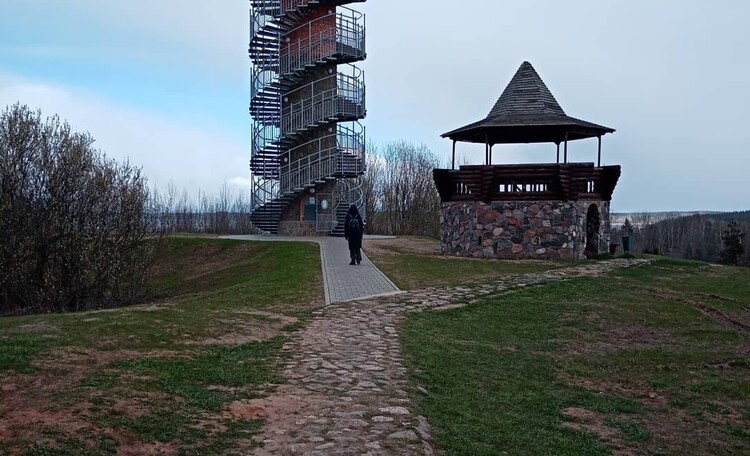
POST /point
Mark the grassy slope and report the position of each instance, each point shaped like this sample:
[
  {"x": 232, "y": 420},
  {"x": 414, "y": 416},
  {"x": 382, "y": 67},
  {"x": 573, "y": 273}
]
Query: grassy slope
[
  {"x": 659, "y": 375},
  {"x": 206, "y": 288}
]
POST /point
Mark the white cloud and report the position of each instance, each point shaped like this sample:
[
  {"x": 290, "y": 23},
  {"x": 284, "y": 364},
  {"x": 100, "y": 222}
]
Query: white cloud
[
  {"x": 240, "y": 182},
  {"x": 193, "y": 158},
  {"x": 210, "y": 36}
]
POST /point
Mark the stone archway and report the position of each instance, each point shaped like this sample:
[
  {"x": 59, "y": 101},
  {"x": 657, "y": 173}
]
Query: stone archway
[{"x": 593, "y": 223}]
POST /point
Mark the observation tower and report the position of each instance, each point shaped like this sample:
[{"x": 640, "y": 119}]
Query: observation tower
[{"x": 307, "y": 97}]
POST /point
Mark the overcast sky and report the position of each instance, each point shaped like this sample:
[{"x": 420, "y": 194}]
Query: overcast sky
[{"x": 165, "y": 83}]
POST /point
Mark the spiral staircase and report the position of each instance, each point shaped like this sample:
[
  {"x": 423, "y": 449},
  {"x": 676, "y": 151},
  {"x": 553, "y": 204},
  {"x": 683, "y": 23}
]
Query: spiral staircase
[{"x": 306, "y": 100}]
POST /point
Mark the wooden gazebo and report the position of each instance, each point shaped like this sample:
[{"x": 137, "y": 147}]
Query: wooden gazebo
[{"x": 527, "y": 112}]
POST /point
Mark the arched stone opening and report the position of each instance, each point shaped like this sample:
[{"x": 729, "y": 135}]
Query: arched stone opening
[{"x": 593, "y": 223}]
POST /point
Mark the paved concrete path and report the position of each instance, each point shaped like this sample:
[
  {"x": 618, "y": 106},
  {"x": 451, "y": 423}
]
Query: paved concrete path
[
  {"x": 341, "y": 281},
  {"x": 347, "y": 392}
]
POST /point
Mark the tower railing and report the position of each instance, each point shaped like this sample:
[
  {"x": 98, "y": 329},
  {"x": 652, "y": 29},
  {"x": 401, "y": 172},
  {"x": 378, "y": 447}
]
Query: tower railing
[
  {"x": 264, "y": 189},
  {"x": 338, "y": 155},
  {"x": 261, "y": 80},
  {"x": 275, "y": 62},
  {"x": 318, "y": 44},
  {"x": 265, "y": 139},
  {"x": 291, "y": 6},
  {"x": 263, "y": 16},
  {"x": 336, "y": 97}
]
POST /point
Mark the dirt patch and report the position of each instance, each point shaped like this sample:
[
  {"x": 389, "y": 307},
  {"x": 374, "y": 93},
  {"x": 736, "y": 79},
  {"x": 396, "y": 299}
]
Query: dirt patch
[
  {"x": 284, "y": 410},
  {"x": 43, "y": 328},
  {"x": 637, "y": 336},
  {"x": 28, "y": 423},
  {"x": 132, "y": 407},
  {"x": 642, "y": 392},
  {"x": 264, "y": 326},
  {"x": 585, "y": 420},
  {"x": 670, "y": 427},
  {"x": 731, "y": 416},
  {"x": 28, "y": 402},
  {"x": 28, "y": 413},
  {"x": 675, "y": 429},
  {"x": 273, "y": 408},
  {"x": 590, "y": 421},
  {"x": 631, "y": 337},
  {"x": 715, "y": 314},
  {"x": 80, "y": 361},
  {"x": 139, "y": 449}
]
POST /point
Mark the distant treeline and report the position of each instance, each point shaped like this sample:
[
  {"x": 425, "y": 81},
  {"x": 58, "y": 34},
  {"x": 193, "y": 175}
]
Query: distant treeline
[{"x": 696, "y": 237}]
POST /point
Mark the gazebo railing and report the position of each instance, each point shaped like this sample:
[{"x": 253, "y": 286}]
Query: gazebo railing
[{"x": 532, "y": 182}]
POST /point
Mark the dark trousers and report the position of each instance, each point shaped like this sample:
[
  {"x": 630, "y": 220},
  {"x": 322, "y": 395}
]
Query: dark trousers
[{"x": 355, "y": 244}]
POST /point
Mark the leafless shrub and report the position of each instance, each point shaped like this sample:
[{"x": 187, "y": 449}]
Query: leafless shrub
[
  {"x": 400, "y": 195},
  {"x": 72, "y": 226}
]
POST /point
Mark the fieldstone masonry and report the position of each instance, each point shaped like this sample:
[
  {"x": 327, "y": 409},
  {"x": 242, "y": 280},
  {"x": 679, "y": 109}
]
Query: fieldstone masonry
[
  {"x": 516, "y": 230},
  {"x": 298, "y": 229}
]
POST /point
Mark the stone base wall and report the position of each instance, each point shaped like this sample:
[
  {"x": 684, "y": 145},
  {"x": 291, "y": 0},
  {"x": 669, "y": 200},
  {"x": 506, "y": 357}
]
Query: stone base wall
[
  {"x": 516, "y": 230},
  {"x": 298, "y": 229}
]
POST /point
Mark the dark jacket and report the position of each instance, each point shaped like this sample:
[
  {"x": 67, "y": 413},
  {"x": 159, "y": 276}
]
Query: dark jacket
[{"x": 355, "y": 239}]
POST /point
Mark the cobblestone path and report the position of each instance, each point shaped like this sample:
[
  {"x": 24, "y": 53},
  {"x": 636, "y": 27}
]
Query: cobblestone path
[{"x": 346, "y": 390}]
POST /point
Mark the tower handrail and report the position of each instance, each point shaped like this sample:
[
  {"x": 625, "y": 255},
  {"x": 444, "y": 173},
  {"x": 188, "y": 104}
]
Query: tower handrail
[
  {"x": 346, "y": 144},
  {"x": 344, "y": 98},
  {"x": 317, "y": 46}
]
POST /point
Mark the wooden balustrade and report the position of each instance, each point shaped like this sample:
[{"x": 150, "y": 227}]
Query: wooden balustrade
[{"x": 529, "y": 182}]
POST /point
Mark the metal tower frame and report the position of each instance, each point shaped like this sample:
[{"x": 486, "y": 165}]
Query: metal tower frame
[{"x": 306, "y": 100}]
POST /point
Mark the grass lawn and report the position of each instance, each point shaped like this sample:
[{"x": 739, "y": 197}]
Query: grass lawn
[
  {"x": 158, "y": 377},
  {"x": 414, "y": 263},
  {"x": 654, "y": 360}
]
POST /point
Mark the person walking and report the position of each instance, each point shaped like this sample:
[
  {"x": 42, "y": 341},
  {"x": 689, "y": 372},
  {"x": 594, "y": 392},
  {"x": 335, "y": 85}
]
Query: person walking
[
  {"x": 353, "y": 230},
  {"x": 627, "y": 231}
]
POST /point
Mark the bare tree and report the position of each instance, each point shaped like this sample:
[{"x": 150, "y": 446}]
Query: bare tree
[{"x": 401, "y": 197}]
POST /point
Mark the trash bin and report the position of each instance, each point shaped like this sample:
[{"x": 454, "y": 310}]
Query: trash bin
[
  {"x": 626, "y": 243},
  {"x": 613, "y": 248}
]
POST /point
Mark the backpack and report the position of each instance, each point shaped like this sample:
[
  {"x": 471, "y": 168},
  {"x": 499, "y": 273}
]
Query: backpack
[{"x": 354, "y": 227}]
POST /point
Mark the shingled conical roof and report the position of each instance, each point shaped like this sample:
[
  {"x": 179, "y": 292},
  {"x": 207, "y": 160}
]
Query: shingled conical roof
[
  {"x": 527, "y": 112},
  {"x": 526, "y": 95}
]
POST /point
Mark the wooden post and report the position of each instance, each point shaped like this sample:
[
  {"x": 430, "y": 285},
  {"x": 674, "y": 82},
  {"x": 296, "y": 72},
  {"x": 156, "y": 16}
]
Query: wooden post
[
  {"x": 558, "y": 152},
  {"x": 486, "y": 149},
  {"x": 599, "y": 154},
  {"x": 453, "y": 161},
  {"x": 491, "y": 153},
  {"x": 566, "y": 147}
]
